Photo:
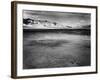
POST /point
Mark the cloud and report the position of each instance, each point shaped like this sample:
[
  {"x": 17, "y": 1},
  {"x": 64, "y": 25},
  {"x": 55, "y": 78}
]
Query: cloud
[{"x": 64, "y": 18}]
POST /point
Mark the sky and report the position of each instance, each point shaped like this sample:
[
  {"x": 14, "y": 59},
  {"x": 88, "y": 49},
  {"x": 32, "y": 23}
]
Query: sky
[{"x": 64, "y": 18}]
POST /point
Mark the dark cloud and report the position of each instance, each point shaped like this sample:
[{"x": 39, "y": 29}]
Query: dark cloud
[{"x": 66, "y": 18}]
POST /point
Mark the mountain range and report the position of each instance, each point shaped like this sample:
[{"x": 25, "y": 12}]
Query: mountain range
[{"x": 45, "y": 24}]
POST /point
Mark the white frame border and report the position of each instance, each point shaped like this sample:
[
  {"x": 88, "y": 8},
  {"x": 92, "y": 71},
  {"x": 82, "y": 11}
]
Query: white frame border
[{"x": 35, "y": 72}]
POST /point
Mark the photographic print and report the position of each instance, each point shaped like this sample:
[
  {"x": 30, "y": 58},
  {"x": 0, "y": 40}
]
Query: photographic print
[
  {"x": 53, "y": 39},
  {"x": 56, "y": 39}
]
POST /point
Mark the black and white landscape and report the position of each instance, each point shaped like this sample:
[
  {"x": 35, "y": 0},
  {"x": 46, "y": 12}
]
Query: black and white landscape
[{"x": 56, "y": 39}]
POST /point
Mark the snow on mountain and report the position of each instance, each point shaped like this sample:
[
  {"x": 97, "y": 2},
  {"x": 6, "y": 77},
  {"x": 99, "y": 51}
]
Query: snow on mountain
[{"x": 42, "y": 24}]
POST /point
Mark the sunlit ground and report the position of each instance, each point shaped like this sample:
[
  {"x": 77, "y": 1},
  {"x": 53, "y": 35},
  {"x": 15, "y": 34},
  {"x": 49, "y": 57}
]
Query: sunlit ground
[{"x": 50, "y": 50}]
